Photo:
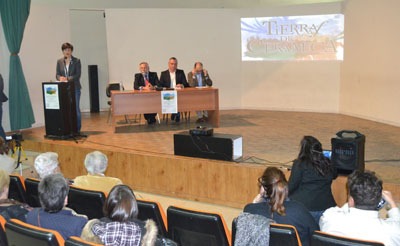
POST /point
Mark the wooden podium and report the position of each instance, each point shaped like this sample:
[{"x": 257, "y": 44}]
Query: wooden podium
[{"x": 59, "y": 110}]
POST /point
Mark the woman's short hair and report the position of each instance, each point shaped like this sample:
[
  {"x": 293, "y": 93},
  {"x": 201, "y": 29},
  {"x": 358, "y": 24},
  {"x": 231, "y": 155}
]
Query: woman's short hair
[
  {"x": 46, "y": 164},
  {"x": 121, "y": 204},
  {"x": 365, "y": 188},
  {"x": 3, "y": 146},
  {"x": 276, "y": 189},
  {"x": 53, "y": 189},
  {"x": 65, "y": 46},
  {"x": 4, "y": 180},
  {"x": 96, "y": 162}
]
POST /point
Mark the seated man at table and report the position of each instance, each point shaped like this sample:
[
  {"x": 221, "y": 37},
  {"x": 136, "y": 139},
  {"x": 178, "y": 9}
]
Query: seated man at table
[
  {"x": 173, "y": 78},
  {"x": 146, "y": 80},
  {"x": 199, "y": 77}
]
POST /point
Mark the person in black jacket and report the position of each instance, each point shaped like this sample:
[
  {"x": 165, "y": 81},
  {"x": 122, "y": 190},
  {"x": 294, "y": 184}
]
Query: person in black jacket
[
  {"x": 273, "y": 203},
  {"x": 173, "y": 78},
  {"x": 3, "y": 98},
  {"x": 146, "y": 80},
  {"x": 311, "y": 178}
]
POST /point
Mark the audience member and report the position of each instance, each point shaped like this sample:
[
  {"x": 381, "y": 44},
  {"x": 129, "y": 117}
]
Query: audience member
[
  {"x": 120, "y": 225},
  {"x": 275, "y": 204},
  {"x": 311, "y": 178},
  {"x": 3, "y": 98},
  {"x": 173, "y": 78},
  {"x": 359, "y": 218},
  {"x": 96, "y": 164},
  {"x": 6, "y": 162},
  {"x": 146, "y": 80},
  {"x": 53, "y": 196},
  {"x": 199, "y": 77},
  {"x": 9, "y": 208},
  {"x": 46, "y": 163}
]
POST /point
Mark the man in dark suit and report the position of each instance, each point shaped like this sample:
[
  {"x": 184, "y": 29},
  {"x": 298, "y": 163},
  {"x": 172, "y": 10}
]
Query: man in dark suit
[
  {"x": 199, "y": 77},
  {"x": 3, "y": 98},
  {"x": 173, "y": 78},
  {"x": 69, "y": 70},
  {"x": 146, "y": 80}
]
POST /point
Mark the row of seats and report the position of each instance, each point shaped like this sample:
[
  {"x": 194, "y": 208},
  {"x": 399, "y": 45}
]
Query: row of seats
[
  {"x": 15, "y": 232},
  {"x": 18, "y": 233},
  {"x": 184, "y": 226}
]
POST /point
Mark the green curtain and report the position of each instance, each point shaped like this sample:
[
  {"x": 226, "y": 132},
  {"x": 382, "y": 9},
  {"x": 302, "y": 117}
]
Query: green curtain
[{"x": 14, "y": 14}]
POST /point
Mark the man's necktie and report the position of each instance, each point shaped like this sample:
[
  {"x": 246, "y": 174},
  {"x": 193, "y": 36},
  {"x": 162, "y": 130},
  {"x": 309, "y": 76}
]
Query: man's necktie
[{"x": 146, "y": 81}]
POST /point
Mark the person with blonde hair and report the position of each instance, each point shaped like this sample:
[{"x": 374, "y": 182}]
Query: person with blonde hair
[
  {"x": 6, "y": 162},
  {"x": 46, "y": 163},
  {"x": 96, "y": 164},
  {"x": 9, "y": 208},
  {"x": 273, "y": 203}
]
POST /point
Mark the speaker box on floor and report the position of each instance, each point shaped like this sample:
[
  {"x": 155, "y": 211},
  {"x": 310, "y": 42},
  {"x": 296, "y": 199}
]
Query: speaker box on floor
[
  {"x": 94, "y": 89},
  {"x": 348, "y": 151},
  {"x": 226, "y": 147}
]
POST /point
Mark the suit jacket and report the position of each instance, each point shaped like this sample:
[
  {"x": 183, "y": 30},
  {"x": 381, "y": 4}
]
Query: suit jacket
[
  {"x": 74, "y": 71},
  {"x": 206, "y": 80},
  {"x": 3, "y": 97},
  {"x": 165, "y": 78},
  {"x": 139, "y": 80}
]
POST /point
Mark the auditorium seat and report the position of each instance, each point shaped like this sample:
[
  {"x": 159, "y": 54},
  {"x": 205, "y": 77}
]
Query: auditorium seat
[
  {"x": 113, "y": 86},
  {"x": 234, "y": 225},
  {"x": 283, "y": 235},
  {"x": 22, "y": 234},
  {"x": 3, "y": 237},
  {"x": 192, "y": 227},
  {"x": 76, "y": 241},
  {"x": 87, "y": 202},
  {"x": 16, "y": 189},
  {"x": 319, "y": 238},
  {"x": 279, "y": 234},
  {"x": 153, "y": 210},
  {"x": 32, "y": 193}
]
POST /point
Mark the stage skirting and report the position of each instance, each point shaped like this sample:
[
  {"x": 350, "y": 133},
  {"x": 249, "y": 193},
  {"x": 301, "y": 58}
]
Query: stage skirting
[{"x": 219, "y": 182}]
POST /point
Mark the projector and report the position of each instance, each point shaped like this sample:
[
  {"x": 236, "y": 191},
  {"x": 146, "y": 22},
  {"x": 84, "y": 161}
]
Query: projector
[{"x": 201, "y": 131}]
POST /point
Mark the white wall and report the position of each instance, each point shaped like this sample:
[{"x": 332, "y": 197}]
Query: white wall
[
  {"x": 370, "y": 78},
  {"x": 213, "y": 36},
  {"x": 88, "y": 35},
  {"x": 291, "y": 85},
  {"x": 46, "y": 29},
  {"x": 366, "y": 85},
  {"x": 154, "y": 35}
]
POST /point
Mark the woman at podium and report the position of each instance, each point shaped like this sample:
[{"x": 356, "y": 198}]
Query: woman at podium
[{"x": 69, "y": 70}]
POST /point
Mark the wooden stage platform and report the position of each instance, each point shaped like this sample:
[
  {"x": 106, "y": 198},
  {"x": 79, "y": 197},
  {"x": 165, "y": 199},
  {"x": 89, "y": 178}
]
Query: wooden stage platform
[{"x": 142, "y": 156}]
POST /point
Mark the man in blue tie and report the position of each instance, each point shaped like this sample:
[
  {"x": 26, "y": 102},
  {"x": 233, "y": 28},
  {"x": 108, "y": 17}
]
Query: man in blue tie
[
  {"x": 146, "y": 80},
  {"x": 199, "y": 77}
]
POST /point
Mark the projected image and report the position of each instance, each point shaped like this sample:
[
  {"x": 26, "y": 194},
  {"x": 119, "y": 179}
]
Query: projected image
[{"x": 295, "y": 38}]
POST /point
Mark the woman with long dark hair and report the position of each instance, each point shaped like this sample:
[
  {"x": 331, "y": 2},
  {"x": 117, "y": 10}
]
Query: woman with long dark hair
[
  {"x": 276, "y": 205},
  {"x": 311, "y": 178}
]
